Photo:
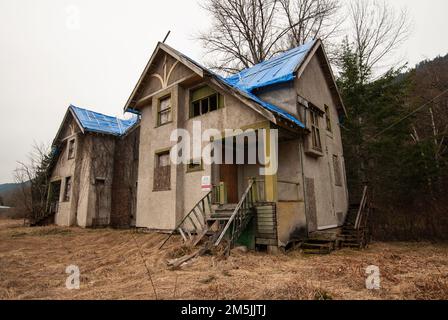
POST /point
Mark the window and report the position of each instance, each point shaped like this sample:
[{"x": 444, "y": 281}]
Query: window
[
  {"x": 194, "y": 165},
  {"x": 204, "y": 100},
  {"x": 71, "y": 149},
  {"x": 328, "y": 118},
  {"x": 337, "y": 171},
  {"x": 164, "y": 111},
  {"x": 162, "y": 172},
  {"x": 315, "y": 132},
  {"x": 68, "y": 189}
]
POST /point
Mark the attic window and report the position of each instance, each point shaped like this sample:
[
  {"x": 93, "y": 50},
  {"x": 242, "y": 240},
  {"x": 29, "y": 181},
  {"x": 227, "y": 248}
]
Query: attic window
[
  {"x": 204, "y": 100},
  {"x": 71, "y": 149}
]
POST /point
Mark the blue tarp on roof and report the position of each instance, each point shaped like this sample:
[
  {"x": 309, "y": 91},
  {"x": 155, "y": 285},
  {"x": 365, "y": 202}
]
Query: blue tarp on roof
[
  {"x": 279, "y": 69},
  {"x": 276, "y": 70},
  {"x": 100, "y": 123}
]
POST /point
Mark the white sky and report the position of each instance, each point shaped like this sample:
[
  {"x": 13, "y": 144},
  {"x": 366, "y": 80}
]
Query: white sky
[{"x": 48, "y": 62}]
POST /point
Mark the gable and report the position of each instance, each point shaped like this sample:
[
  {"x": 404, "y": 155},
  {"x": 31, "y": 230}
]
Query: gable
[
  {"x": 316, "y": 74},
  {"x": 314, "y": 86},
  {"x": 162, "y": 73},
  {"x": 68, "y": 128}
]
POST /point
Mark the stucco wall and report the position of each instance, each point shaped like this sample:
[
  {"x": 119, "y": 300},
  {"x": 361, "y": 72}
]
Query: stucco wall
[
  {"x": 332, "y": 201},
  {"x": 67, "y": 168},
  {"x": 163, "y": 210}
]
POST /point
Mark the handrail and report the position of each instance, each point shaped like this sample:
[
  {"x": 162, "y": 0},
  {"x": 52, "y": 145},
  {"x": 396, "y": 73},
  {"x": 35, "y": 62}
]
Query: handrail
[
  {"x": 361, "y": 208},
  {"x": 237, "y": 210},
  {"x": 188, "y": 216}
]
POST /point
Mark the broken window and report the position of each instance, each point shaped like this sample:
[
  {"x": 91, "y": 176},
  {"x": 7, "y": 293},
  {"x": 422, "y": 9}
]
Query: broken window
[
  {"x": 68, "y": 189},
  {"x": 315, "y": 131},
  {"x": 71, "y": 149},
  {"x": 164, "y": 111},
  {"x": 162, "y": 172},
  {"x": 328, "y": 118},
  {"x": 204, "y": 100},
  {"x": 337, "y": 171}
]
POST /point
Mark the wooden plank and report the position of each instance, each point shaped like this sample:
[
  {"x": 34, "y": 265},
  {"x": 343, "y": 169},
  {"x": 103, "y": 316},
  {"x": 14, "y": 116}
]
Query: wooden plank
[{"x": 182, "y": 234}]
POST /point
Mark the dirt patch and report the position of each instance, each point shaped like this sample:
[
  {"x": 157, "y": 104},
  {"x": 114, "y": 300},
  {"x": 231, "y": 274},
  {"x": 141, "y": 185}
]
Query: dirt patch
[{"x": 33, "y": 263}]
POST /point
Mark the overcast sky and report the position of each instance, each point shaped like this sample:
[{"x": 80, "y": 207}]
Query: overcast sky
[{"x": 49, "y": 59}]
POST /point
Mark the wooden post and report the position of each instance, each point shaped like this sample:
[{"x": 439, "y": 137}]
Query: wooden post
[
  {"x": 222, "y": 193},
  {"x": 270, "y": 180}
]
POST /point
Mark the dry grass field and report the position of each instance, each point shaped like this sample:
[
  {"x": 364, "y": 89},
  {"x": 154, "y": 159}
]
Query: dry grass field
[{"x": 33, "y": 263}]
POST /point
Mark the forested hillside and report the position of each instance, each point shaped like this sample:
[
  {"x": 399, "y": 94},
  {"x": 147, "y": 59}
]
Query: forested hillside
[{"x": 395, "y": 140}]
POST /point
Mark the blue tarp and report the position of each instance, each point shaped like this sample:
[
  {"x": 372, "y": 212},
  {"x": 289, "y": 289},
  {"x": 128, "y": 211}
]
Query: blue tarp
[
  {"x": 279, "y": 69},
  {"x": 100, "y": 123}
]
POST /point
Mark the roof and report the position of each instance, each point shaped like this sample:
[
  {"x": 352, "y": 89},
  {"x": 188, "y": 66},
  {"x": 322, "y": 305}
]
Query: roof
[
  {"x": 96, "y": 122},
  {"x": 279, "y": 69}
]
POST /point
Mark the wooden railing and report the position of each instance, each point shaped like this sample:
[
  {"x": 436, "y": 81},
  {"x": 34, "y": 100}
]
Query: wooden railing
[
  {"x": 241, "y": 216},
  {"x": 194, "y": 225},
  {"x": 363, "y": 210}
]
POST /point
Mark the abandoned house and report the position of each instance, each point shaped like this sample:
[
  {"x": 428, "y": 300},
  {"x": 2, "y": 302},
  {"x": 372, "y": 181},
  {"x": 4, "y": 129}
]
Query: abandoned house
[
  {"x": 295, "y": 93},
  {"x": 93, "y": 178},
  {"x": 101, "y": 159}
]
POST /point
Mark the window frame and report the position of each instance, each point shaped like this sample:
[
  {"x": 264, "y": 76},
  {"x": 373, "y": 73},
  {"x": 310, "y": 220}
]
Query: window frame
[
  {"x": 66, "y": 197},
  {"x": 316, "y": 139},
  {"x": 71, "y": 152},
  {"x": 217, "y": 95},
  {"x": 195, "y": 169},
  {"x": 328, "y": 119},
  {"x": 168, "y": 110},
  {"x": 337, "y": 171},
  {"x": 158, "y": 185}
]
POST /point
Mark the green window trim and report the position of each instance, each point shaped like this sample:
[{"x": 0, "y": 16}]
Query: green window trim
[{"x": 204, "y": 100}]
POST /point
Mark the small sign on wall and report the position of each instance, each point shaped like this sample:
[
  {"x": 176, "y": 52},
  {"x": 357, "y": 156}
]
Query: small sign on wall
[{"x": 206, "y": 183}]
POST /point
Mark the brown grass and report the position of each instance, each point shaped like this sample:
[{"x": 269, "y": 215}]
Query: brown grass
[{"x": 33, "y": 263}]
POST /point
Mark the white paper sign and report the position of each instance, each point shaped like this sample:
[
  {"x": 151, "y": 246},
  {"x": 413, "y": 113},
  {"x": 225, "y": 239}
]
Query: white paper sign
[{"x": 206, "y": 183}]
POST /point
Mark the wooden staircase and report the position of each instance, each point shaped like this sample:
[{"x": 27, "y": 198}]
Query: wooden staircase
[
  {"x": 214, "y": 224},
  {"x": 354, "y": 233}
]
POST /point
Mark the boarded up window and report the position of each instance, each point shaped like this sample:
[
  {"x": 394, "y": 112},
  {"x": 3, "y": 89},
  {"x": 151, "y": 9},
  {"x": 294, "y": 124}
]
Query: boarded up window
[
  {"x": 337, "y": 171},
  {"x": 162, "y": 172},
  {"x": 311, "y": 212}
]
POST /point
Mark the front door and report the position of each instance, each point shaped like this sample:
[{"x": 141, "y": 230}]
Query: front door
[{"x": 229, "y": 175}]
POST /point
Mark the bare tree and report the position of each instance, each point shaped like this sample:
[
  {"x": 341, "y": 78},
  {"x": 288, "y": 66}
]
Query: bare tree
[
  {"x": 33, "y": 180},
  {"x": 378, "y": 31},
  {"x": 311, "y": 19},
  {"x": 247, "y": 32}
]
